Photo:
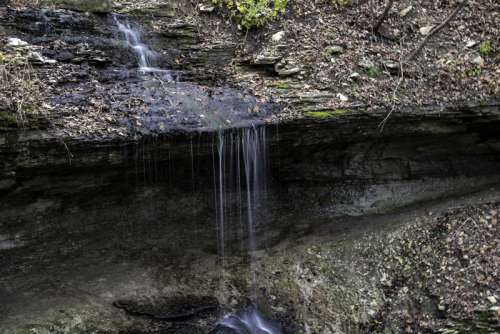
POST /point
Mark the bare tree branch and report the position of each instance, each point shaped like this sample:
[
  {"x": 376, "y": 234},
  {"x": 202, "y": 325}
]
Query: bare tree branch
[
  {"x": 383, "y": 16},
  {"x": 461, "y": 5}
]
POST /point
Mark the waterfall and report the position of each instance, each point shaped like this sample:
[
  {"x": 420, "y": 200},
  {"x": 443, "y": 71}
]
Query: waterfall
[
  {"x": 240, "y": 169},
  {"x": 242, "y": 166},
  {"x": 133, "y": 39}
]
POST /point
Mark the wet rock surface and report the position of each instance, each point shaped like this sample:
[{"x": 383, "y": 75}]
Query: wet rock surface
[
  {"x": 173, "y": 309},
  {"x": 98, "y": 92}
]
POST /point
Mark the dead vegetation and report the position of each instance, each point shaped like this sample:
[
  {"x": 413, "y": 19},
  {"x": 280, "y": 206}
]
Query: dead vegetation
[
  {"x": 443, "y": 270},
  {"x": 20, "y": 89},
  {"x": 375, "y": 65}
]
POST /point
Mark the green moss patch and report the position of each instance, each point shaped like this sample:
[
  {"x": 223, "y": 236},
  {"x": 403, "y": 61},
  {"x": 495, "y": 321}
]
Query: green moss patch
[
  {"x": 282, "y": 85},
  {"x": 325, "y": 114}
]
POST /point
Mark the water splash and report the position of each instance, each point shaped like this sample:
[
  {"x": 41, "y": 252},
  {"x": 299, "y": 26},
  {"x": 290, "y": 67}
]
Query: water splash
[{"x": 250, "y": 321}]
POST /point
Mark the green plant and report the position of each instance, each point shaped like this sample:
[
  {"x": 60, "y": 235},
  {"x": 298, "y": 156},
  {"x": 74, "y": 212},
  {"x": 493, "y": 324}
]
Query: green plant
[
  {"x": 282, "y": 85},
  {"x": 340, "y": 3},
  {"x": 485, "y": 48},
  {"x": 253, "y": 13},
  {"x": 473, "y": 72},
  {"x": 374, "y": 72}
]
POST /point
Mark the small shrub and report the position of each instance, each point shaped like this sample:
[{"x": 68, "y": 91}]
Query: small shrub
[
  {"x": 374, "y": 72},
  {"x": 485, "y": 48},
  {"x": 253, "y": 13}
]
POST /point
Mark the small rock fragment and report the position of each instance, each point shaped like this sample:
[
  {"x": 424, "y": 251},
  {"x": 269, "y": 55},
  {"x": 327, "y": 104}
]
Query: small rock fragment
[
  {"x": 284, "y": 69},
  {"x": 354, "y": 75},
  {"x": 426, "y": 30},
  {"x": 206, "y": 8},
  {"x": 265, "y": 59},
  {"x": 278, "y": 36},
  {"x": 333, "y": 49},
  {"x": 492, "y": 299},
  {"x": 405, "y": 11},
  {"x": 366, "y": 64},
  {"x": 16, "y": 43},
  {"x": 392, "y": 67},
  {"x": 284, "y": 72},
  {"x": 471, "y": 44},
  {"x": 478, "y": 60},
  {"x": 342, "y": 97}
]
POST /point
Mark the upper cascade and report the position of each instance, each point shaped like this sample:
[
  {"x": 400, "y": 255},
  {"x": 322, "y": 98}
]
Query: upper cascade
[{"x": 133, "y": 38}]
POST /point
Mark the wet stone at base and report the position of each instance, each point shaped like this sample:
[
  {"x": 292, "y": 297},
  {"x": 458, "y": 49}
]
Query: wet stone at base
[{"x": 171, "y": 309}]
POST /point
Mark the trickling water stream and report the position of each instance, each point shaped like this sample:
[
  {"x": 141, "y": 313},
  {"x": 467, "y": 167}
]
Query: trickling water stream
[{"x": 133, "y": 39}]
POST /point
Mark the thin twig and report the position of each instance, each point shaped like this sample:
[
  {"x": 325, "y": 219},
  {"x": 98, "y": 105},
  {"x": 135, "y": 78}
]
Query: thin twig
[
  {"x": 383, "y": 16},
  {"x": 461, "y": 4},
  {"x": 384, "y": 121},
  {"x": 394, "y": 93},
  {"x": 70, "y": 155}
]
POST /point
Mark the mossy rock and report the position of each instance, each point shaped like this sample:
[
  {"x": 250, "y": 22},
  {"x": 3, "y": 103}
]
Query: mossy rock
[{"x": 93, "y": 6}]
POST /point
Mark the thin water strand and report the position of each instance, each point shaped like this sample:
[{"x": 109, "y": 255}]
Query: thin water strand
[
  {"x": 222, "y": 202},
  {"x": 241, "y": 169}
]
